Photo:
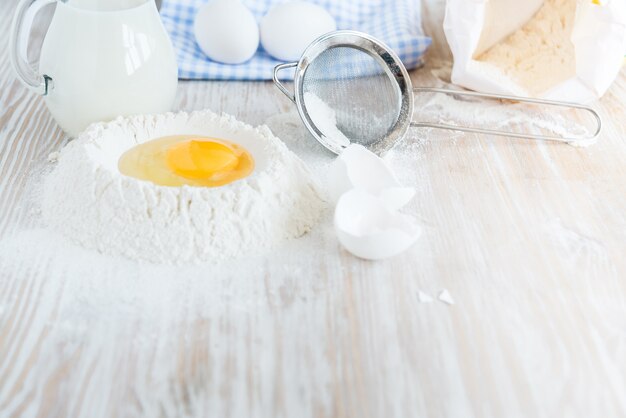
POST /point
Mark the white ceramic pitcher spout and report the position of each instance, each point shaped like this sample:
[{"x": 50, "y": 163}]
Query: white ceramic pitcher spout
[{"x": 100, "y": 59}]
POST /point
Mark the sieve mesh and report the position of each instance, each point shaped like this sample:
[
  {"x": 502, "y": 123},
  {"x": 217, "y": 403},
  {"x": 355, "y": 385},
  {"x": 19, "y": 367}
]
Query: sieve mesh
[{"x": 349, "y": 94}]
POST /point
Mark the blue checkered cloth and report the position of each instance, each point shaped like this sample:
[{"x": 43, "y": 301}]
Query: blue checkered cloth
[{"x": 395, "y": 22}]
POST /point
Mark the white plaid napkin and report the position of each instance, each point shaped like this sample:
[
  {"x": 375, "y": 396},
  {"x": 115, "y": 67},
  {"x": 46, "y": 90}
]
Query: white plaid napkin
[{"x": 395, "y": 22}]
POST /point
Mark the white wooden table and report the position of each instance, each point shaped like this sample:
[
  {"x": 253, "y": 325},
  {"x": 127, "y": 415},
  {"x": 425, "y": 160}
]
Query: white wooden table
[{"x": 529, "y": 238}]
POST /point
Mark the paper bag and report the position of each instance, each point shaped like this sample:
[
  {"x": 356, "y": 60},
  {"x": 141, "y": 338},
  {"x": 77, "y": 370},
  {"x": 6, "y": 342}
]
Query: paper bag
[{"x": 598, "y": 36}]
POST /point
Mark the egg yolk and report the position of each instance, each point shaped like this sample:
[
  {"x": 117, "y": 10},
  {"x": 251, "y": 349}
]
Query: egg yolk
[{"x": 187, "y": 160}]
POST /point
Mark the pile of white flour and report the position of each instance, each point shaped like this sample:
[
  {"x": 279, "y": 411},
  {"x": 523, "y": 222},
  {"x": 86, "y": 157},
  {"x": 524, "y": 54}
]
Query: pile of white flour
[
  {"x": 88, "y": 200},
  {"x": 540, "y": 55}
]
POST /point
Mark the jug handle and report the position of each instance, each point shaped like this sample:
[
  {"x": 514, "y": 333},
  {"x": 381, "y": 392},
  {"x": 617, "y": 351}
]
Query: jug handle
[{"x": 20, "y": 31}]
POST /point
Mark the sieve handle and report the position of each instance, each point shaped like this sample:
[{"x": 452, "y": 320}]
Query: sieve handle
[
  {"x": 280, "y": 85},
  {"x": 507, "y": 133}
]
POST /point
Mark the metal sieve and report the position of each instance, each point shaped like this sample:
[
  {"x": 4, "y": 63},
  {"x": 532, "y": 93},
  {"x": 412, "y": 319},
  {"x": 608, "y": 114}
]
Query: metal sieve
[{"x": 350, "y": 87}]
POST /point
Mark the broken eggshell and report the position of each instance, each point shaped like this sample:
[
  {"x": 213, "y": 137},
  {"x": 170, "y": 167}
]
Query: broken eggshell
[
  {"x": 357, "y": 167},
  {"x": 369, "y": 229}
]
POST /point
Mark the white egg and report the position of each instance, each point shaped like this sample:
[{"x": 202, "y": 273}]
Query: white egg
[
  {"x": 226, "y": 31},
  {"x": 369, "y": 229},
  {"x": 357, "y": 167},
  {"x": 288, "y": 28}
]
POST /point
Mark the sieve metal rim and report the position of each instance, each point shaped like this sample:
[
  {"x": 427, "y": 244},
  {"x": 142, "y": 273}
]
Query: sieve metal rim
[{"x": 384, "y": 55}]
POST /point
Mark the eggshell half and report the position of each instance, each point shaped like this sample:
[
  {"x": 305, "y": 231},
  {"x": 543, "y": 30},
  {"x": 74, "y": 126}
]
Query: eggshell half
[
  {"x": 226, "y": 31},
  {"x": 369, "y": 229},
  {"x": 357, "y": 167},
  {"x": 288, "y": 28}
]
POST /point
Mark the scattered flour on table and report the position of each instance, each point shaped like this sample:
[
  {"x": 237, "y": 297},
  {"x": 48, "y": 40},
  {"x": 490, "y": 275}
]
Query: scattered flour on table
[
  {"x": 574, "y": 245},
  {"x": 540, "y": 54},
  {"x": 495, "y": 114},
  {"x": 88, "y": 200}
]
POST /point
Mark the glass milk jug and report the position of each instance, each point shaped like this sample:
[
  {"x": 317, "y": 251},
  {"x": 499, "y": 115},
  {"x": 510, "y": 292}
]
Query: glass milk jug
[{"x": 100, "y": 59}]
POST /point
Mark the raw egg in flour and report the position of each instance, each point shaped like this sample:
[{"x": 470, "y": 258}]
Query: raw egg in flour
[{"x": 187, "y": 160}]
